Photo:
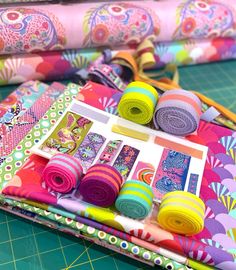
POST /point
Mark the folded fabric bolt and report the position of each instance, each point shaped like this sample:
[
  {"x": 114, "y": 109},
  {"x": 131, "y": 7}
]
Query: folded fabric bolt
[
  {"x": 138, "y": 102},
  {"x": 101, "y": 185},
  {"x": 62, "y": 173},
  {"x": 178, "y": 112},
  {"x": 181, "y": 212},
  {"x": 135, "y": 199}
]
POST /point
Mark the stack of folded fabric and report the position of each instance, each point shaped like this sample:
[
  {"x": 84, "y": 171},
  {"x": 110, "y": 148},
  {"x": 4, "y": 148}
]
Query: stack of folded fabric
[
  {"x": 142, "y": 240},
  {"x": 42, "y": 42}
]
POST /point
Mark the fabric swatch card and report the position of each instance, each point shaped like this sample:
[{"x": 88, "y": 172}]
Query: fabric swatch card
[
  {"x": 68, "y": 134},
  {"x": 85, "y": 132},
  {"x": 171, "y": 173}
]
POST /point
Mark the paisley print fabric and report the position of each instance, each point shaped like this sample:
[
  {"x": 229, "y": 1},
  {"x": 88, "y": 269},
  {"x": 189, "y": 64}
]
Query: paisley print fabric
[
  {"x": 205, "y": 18},
  {"x": 28, "y": 29},
  {"x": 119, "y": 23}
]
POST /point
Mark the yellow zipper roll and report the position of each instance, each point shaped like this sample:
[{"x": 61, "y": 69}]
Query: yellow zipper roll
[{"x": 181, "y": 212}]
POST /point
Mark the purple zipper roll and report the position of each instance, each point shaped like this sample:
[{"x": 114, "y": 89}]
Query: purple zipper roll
[
  {"x": 101, "y": 185},
  {"x": 178, "y": 112}
]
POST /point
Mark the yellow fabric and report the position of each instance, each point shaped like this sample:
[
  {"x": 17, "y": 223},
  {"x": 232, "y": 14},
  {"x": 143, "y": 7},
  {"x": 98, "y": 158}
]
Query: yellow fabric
[{"x": 181, "y": 212}]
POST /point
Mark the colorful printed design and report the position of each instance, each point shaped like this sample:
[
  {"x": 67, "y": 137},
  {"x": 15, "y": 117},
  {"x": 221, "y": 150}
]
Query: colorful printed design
[
  {"x": 125, "y": 160},
  {"x": 221, "y": 119},
  {"x": 100, "y": 96},
  {"x": 21, "y": 183},
  {"x": 89, "y": 149},
  {"x": 16, "y": 104},
  {"x": 215, "y": 245},
  {"x": 171, "y": 173},
  {"x": 144, "y": 172},
  {"x": 28, "y": 29},
  {"x": 30, "y": 117},
  {"x": 44, "y": 65},
  {"x": 64, "y": 64},
  {"x": 188, "y": 52},
  {"x": 68, "y": 134},
  {"x": 205, "y": 18},
  {"x": 109, "y": 153},
  {"x": 128, "y": 24},
  {"x": 193, "y": 180}
]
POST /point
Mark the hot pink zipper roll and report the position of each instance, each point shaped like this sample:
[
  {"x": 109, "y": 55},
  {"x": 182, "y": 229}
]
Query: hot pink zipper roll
[{"x": 62, "y": 173}]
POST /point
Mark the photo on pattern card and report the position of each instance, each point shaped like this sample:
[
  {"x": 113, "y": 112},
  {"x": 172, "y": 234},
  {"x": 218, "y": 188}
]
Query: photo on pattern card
[
  {"x": 144, "y": 172},
  {"x": 68, "y": 135},
  {"x": 171, "y": 173}
]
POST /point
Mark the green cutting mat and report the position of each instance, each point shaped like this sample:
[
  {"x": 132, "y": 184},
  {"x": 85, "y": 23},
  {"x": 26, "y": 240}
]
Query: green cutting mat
[{"x": 24, "y": 245}]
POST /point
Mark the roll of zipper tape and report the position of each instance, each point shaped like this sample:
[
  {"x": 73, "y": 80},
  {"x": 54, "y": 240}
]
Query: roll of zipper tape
[
  {"x": 135, "y": 199},
  {"x": 101, "y": 185},
  {"x": 181, "y": 212},
  {"x": 62, "y": 173},
  {"x": 138, "y": 102},
  {"x": 178, "y": 112}
]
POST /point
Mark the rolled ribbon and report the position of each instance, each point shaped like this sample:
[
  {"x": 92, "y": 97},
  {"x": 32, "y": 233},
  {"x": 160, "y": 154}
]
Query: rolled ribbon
[
  {"x": 106, "y": 75},
  {"x": 138, "y": 102},
  {"x": 62, "y": 173},
  {"x": 135, "y": 199},
  {"x": 101, "y": 185},
  {"x": 181, "y": 212},
  {"x": 178, "y": 112}
]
